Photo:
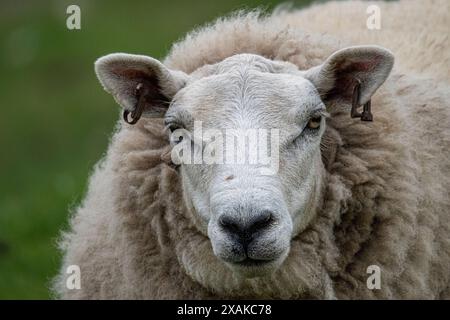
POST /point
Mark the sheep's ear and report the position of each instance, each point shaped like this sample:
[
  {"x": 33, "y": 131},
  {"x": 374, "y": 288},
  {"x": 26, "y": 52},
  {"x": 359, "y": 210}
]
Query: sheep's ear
[
  {"x": 120, "y": 74},
  {"x": 338, "y": 75}
]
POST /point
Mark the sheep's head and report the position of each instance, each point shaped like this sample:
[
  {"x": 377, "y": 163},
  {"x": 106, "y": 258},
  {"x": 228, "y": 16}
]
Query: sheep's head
[{"x": 246, "y": 134}]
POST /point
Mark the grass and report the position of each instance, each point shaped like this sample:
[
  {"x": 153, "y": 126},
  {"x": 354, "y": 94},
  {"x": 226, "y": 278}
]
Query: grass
[{"x": 56, "y": 120}]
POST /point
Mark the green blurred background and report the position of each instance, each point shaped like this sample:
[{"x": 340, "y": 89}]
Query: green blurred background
[{"x": 55, "y": 119}]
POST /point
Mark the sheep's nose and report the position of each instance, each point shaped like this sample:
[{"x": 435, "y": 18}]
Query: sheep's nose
[{"x": 244, "y": 233}]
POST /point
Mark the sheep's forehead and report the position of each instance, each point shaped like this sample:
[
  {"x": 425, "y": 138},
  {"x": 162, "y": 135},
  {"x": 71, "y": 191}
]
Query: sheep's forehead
[
  {"x": 241, "y": 92},
  {"x": 242, "y": 62}
]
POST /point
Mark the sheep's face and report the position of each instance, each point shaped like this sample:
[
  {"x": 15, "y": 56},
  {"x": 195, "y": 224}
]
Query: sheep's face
[
  {"x": 249, "y": 157},
  {"x": 246, "y": 134}
]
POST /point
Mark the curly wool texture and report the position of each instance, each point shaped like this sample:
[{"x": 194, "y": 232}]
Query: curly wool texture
[{"x": 387, "y": 193}]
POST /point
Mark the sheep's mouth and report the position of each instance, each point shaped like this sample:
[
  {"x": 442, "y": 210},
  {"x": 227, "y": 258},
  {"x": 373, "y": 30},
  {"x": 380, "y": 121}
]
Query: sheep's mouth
[
  {"x": 249, "y": 262},
  {"x": 252, "y": 268}
]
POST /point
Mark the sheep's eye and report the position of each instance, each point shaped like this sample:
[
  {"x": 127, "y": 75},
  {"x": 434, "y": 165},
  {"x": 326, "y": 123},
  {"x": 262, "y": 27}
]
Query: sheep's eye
[
  {"x": 172, "y": 127},
  {"x": 314, "y": 123}
]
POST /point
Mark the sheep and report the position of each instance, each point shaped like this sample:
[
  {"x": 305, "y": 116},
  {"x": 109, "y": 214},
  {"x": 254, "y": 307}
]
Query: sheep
[{"x": 348, "y": 195}]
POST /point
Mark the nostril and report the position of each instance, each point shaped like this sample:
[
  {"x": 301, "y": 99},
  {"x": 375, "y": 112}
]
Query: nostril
[
  {"x": 262, "y": 221},
  {"x": 229, "y": 224}
]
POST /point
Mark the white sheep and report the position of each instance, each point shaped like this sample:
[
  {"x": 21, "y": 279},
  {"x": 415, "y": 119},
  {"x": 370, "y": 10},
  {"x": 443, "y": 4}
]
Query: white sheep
[{"x": 348, "y": 195}]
